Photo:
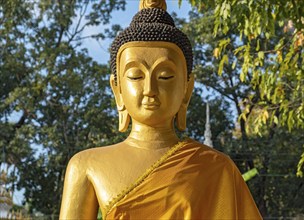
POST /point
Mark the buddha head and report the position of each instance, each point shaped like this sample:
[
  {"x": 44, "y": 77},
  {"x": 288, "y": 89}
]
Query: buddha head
[{"x": 151, "y": 62}]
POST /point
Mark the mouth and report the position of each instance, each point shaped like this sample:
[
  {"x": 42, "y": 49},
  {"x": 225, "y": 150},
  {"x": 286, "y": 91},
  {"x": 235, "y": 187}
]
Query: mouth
[{"x": 151, "y": 105}]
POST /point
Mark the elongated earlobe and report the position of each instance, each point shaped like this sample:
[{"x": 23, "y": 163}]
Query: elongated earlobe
[
  {"x": 124, "y": 120},
  {"x": 181, "y": 116},
  {"x": 124, "y": 117}
]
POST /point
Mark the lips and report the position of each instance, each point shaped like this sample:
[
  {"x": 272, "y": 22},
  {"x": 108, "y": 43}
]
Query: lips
[
  {"x": 151, "y": 106},
  {"x": 150, "y": 103}
]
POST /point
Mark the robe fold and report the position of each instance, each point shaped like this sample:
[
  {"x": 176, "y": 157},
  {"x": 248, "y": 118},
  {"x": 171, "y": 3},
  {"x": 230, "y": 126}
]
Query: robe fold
[{"x": 196, "y": 182}]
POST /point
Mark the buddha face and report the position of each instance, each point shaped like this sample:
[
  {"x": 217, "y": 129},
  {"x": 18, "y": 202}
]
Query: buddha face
[{"x": 152, "y": 82}]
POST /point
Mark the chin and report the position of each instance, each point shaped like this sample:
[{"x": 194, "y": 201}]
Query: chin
[{"x": 153, "y": 118}]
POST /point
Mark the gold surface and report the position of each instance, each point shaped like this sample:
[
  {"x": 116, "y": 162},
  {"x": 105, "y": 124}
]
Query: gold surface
[
  {"x": 153, "y": 4},
  {"x": 152, "y": 174},
  {"x": 195, "y": 182},
  {"x": 152, "y": 86}
]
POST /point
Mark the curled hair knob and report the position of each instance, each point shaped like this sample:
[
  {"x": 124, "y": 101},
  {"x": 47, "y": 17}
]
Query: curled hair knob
[{"x": 152, "y": 4}]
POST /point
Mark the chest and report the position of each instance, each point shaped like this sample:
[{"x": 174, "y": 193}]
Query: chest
[{"x": 111, "y": 175}]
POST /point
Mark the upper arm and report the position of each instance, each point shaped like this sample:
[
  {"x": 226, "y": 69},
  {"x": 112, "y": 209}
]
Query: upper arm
[{"x": 79, "y": 200}]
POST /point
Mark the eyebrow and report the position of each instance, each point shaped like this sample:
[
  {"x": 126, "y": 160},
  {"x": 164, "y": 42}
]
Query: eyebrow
[{"x": 131, "y": 63}]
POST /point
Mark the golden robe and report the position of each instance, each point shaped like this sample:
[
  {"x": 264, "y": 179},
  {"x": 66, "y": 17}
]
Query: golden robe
[{"x": 193, "y": 182}]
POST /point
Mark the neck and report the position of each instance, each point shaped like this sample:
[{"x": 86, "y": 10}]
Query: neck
[{"x": 148, "y": 137}]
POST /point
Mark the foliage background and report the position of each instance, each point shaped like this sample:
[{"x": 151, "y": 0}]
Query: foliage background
[{"x": 248, "y": 66}]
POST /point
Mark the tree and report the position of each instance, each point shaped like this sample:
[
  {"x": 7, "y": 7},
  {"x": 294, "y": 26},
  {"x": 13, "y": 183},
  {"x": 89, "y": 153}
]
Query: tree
[
  {"x": 270, "y": 53},
  {"x": 59, "y": 93},
  {"x": 14, "y": 137},
  {"x": 272, "y": 152}
]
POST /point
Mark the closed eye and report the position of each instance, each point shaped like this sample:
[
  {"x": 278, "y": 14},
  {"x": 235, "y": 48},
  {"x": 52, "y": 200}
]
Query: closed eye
[
  {"x": 135, "y": 78},
  {"x": 165, "y": 77}
]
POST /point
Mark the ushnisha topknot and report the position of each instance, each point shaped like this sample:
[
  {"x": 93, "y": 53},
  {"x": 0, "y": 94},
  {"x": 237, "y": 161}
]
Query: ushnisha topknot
[{"x": 152, "y": 23}]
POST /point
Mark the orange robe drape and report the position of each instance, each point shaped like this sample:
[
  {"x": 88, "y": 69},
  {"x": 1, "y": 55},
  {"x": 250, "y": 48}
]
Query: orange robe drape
[{"x": 196, "y": 182}]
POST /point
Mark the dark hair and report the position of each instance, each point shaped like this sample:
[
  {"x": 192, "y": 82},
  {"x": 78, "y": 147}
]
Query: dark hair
[{"x": 152, "y": 24}]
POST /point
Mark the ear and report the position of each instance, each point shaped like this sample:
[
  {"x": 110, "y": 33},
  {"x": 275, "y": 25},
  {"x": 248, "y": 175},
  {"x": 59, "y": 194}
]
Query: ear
[
  {"x": 182, "y": 113},
  {"x": 124, "y": 117},
  {"x": 116, "y": 90}
]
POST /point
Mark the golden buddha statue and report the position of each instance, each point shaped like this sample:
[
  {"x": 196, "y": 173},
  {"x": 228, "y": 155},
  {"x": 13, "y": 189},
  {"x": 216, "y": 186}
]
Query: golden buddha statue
[{"x": 153, "y": 174}]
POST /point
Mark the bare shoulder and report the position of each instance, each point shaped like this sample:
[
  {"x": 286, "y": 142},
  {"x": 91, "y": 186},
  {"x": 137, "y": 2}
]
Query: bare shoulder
[{"x": 85, "y": 158}]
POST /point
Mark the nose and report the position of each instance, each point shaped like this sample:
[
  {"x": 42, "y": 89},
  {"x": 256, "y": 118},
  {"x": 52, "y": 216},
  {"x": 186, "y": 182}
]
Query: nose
[{"x": 150, "y": 88}]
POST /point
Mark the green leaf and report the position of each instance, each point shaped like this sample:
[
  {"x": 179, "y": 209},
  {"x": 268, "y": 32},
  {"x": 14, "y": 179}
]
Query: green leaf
[
  {"x": 223, "y": 61},
  {"x": 300, "y": 166},
  {"x": 242, "y": 76},
  {"x": 261, "y": 55}
]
